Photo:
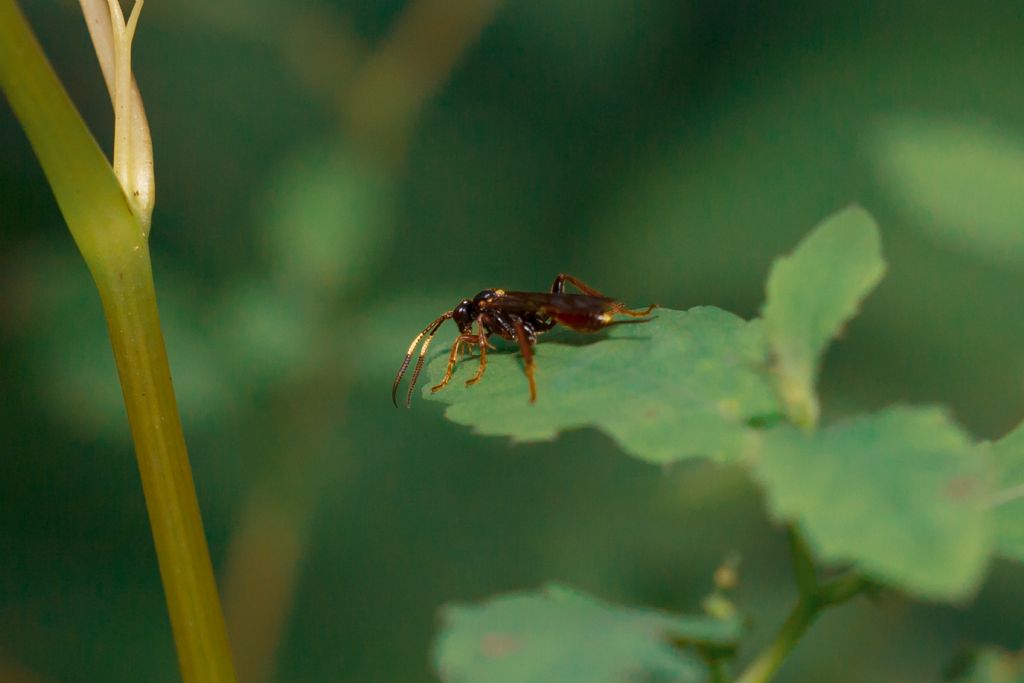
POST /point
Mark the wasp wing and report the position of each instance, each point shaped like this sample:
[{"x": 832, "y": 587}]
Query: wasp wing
[
  {"x": 581, "y": 312},
  {"x": 551, "y": 305}
]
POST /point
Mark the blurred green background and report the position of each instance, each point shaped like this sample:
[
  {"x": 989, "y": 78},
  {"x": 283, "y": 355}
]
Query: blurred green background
[{"x": 333, "y": 175}]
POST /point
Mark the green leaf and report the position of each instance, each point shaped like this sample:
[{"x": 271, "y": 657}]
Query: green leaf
[
  {"x": 268, "y": 334},
  {"x": 962, "y": 181},
  {"x": 1008, "y": 500},
  {"x": 993, "y": 665},
  {"x": 327, "y": 220},
  {"x": 811, "y": 294},
  {"x": 682, "y": 385},
  {"x": 558, "y": 634},
  {"x": 902, "y": 494}
]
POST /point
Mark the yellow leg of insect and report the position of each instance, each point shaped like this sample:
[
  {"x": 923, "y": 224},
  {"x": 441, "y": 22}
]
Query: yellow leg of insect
[
  {"x": 527, "y": 351},
  {"x": 453, "y": 358},
  {"x": 483, "y": 344},
  {"x": 559, "y": 285},
  {"x": 617, "y": 307},
  {"x": 622, "y": 310}
]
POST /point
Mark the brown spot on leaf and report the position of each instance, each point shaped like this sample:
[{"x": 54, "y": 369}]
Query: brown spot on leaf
[
  {"x": 496, "y": 645},
  {"x": 960, "y": 487}
]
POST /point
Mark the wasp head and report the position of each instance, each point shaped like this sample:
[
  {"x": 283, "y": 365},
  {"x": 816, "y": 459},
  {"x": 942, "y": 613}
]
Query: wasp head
[{"x": 464, "y": 314}]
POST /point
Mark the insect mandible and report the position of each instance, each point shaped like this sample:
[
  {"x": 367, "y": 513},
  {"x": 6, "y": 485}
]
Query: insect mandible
[{"x": 519, "y": 317}]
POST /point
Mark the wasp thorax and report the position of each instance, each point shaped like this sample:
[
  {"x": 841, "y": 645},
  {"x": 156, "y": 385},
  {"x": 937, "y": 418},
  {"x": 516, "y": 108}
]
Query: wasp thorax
[{"x": 488, "y": 295}]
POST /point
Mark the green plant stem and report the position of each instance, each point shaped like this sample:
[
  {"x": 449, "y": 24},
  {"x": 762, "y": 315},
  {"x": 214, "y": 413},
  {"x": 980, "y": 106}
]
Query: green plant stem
[
  {"x": 129, "y": 301},
  {"x": 803, "y": 563},
  {"x": 763, "y": 668},
  {"x": 114, "y": 247},
  {"x": 814, "y": 598},
  {"x": 716, "y": 668}
]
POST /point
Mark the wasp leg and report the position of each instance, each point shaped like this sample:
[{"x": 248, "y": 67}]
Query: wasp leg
[
  {"x": 622, "y": 310},
  {"x": 453, "y": 358},
  {"x": 483, "y": 344},
  {"x": 527, "y": 351},
  {"x": 558, "y": 286}
]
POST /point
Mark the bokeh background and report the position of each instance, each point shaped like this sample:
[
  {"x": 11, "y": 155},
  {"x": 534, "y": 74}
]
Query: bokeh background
[{"x": 333, "y": 175}]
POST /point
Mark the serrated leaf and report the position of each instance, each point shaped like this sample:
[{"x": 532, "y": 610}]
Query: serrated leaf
[
  {"x": 811, "y": 295},
  {"x": 902, "y": 494},
  {"x": 682, "y": 385},
  {"x": 962, "y": 181},
  {"x": 993, "y": 665},
  {"x": 1008, "y": 500},
  {"x": 559, "y": 634}
]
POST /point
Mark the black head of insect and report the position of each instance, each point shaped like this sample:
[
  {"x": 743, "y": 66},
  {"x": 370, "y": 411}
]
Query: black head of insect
[{"x": 463, "y": 314}]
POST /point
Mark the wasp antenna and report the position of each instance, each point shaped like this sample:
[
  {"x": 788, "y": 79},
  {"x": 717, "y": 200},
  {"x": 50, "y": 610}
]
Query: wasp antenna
[
  {"x": 403, "y": 368},
  {"x": 423, "y": 355},
  {"x": 428, "y": 330}
]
